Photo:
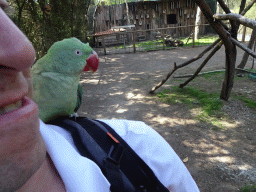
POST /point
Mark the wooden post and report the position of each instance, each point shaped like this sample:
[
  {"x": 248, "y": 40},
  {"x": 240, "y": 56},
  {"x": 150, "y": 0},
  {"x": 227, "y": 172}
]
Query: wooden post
[
  {"x": 133, "y": 41},
  {"x": 103, "y": 44},
  {"x": 193, "y": 37},
  {"x": 163, "y": 32},
  {"x": 244, "y": 33}
]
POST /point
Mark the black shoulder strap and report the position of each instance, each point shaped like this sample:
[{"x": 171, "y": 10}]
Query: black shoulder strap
[{"x": 124, "y": 169}]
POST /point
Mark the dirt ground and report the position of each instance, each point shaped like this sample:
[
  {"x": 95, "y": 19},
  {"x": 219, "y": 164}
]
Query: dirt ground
[{"x": 219, "y": 160}]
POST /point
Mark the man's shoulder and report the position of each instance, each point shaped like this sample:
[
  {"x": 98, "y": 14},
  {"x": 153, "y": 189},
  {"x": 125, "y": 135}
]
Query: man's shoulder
[{"x": 123, "y": 127}]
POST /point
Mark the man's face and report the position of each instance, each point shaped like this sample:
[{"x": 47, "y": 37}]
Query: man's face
[{"x": 22, "y": 149}]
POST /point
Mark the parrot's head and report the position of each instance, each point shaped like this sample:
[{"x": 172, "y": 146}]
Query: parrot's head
[{"x": 71, "y": 56}]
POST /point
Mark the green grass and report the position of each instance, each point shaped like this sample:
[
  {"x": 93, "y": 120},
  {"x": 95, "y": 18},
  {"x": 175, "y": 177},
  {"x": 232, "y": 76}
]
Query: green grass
[
  {"x": 248, "y": 102},
  {"x": 149, "y": 43},
  {"x": 158, "y": 44},
  {"x": 208, "y": 105},
  {"x": 204, "y": 40},
  {"x": 248, "y": 188},
  {"x": 209, "y": 102},
  {"x": 213, "y": 75},
  {"x": 218, "y": 77}
]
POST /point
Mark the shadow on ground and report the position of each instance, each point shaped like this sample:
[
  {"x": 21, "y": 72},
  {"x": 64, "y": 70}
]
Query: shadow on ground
[{"x": 218, "y": 160}]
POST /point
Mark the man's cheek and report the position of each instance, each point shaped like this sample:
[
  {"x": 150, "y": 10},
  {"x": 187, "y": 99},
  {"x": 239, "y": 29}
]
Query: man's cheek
[{"x": 27, "y": 75}]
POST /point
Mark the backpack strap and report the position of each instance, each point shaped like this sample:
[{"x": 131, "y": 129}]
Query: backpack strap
[
  {"x": 124, "y": 169},
  {"x": 148, "y": 181}
]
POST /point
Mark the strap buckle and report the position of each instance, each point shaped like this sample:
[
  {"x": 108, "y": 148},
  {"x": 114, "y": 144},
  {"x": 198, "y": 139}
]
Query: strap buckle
[{"x": 115, "y": 153}]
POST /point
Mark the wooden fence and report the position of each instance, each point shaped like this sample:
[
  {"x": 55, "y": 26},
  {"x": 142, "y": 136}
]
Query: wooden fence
[{"x": 132, "y": 37}]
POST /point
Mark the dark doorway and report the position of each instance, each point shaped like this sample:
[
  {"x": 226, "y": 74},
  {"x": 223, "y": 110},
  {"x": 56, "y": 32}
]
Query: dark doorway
[{"x": 171, "y": 19}]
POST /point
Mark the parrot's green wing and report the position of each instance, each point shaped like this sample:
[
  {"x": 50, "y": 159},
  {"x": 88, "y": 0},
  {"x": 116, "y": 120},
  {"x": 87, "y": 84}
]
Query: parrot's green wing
[
  {"x": 79, "y": 97},
  {"x": 52, "y": 99}
]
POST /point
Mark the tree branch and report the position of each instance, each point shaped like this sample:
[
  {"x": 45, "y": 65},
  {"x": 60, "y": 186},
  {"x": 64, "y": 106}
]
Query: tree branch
[
  {"x": 164, "y": 80},
  {"x": 202, "y": 65},
  {"x": 230, "y": 48},
  {"x": 249, "y": 51},
  {"x": 236, "y": 17},
  {"x": 226, "y": 9},
  {"x": 243, "y": 70},
  {"x": 242, "y": 6},
  {"x": 234, "y": 24},
  {"x": 199, "y": 74},
  {"x": 246, "y": 54},
  {"x": 215, "y": 71},
  {"x": 248, "y": 7},
  {"x": 183, "y": 65},
  {"x": 224, "y": 6},
  {"x": 200, "y": 55}
]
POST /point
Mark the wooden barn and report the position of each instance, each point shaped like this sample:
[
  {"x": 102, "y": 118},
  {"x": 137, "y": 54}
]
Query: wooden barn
[{"x": 144, "y": 15}]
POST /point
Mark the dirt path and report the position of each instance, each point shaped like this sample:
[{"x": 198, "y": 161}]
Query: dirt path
[{"x": 218, "y": 160}]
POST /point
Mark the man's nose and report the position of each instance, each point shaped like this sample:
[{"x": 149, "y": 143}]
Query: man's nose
[{"x": 16, "y": 51}]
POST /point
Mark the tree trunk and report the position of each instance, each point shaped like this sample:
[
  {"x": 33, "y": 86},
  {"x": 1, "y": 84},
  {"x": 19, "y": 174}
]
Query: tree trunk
[
  {"x": 242, "y": 6},
  {"x": 243, "y": 34},
  {"x": 249, "y": 46},
  {"x": 230, "y": 48},
  {"x": 198, "y": 22},
  {"x": 20, "y": 10},
  {"x": 127, "y": 13}
]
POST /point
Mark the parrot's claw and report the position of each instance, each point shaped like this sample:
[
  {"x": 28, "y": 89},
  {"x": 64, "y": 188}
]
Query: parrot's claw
[{"x": 74, "y": 115}]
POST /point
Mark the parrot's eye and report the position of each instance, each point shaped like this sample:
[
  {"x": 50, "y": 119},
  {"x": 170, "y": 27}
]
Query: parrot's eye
[{"x": 78, "y": 52}]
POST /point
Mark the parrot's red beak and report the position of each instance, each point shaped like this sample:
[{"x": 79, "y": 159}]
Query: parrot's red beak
[{"x": 92, "y": 62}]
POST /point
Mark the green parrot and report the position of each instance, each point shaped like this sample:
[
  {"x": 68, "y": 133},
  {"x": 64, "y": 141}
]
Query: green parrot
[{"x": 55, "y": 77}]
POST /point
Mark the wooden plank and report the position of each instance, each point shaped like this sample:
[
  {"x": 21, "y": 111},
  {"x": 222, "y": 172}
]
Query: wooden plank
[
  {"x": 133, "y": 41},
  {"x": 103, "y": 43}
]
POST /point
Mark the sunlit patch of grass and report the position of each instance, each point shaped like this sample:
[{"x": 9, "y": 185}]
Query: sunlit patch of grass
[
  {"x": 209, "y": 103},
  {"x": 203, "y": 40},
  {"x": 149, "y": 43},
  {"x": 158, "y": 44},
  {"x": 188, "y": 95},
  {"x": 205, "y": 117}
]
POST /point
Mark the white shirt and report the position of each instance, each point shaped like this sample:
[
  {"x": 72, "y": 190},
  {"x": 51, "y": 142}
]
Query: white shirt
[{"x": 81, "y": 174}]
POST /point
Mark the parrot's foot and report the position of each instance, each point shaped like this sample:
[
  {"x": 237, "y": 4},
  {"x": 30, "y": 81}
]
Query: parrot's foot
[{"x": 74, "y": 115}]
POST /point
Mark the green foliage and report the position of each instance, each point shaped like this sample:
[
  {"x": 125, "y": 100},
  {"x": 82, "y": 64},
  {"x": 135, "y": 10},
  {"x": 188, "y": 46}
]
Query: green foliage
[
  {"x": 248, "y": 188},
  {"x": 48, "y": 21}
]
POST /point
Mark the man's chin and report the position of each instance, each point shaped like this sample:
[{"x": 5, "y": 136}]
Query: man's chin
[{"x": 22, "y": 149}]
